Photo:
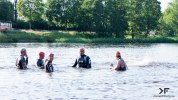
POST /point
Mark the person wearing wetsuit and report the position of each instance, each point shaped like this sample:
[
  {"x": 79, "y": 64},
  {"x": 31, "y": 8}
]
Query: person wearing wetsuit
[
  {"x": 22, "y": 61},
  {"x": 40, "y": 62},
  {"x": 83, "y": 61},
  {"x": 48, "y": 65},
  {"x": 121, "y": 65}
]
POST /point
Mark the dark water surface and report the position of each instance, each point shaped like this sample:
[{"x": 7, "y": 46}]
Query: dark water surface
[{"x": 151, "y": 66}]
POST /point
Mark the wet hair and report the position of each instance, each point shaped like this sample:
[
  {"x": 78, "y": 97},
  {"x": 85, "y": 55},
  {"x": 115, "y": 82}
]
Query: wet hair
[{"x": 23, "y": 50}]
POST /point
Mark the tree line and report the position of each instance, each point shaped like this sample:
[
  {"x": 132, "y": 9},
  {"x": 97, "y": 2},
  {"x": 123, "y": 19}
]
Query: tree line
[{"x": 107, "y": 18}]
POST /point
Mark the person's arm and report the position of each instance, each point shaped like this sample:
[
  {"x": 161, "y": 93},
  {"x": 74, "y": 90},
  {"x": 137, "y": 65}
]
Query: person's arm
[
  {"x": 115, "y": 67},
  {"x": 88, "y": 62},
  {"x": 26, "y": 59},
  {"x": 75, "y": 64},
  {"x": 118, "y": 66},
  {"x": 111, "y": 66},
  {"x": 17, "y": 63},
  {"x": 46, "y": 62}
]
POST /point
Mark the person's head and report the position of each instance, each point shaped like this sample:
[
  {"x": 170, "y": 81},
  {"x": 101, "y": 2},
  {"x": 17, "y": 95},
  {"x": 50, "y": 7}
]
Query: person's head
[
  {"x": 41, "y": 55},
  {"x": 23, "y": 52},
  {"x": 51, "y": 56},
  {"x": 82, "y": 51},
  {"x": 118, "y": 54}
]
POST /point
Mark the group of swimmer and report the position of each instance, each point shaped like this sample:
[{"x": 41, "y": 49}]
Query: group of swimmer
[{"x": 83, "y": 61}]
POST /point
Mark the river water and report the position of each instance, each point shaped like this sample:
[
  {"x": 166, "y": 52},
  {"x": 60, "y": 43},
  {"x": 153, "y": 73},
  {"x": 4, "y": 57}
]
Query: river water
[{"x": 150, "y": 67}]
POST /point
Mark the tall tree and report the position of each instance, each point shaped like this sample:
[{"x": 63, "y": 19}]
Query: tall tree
[
  {"x": 106, "y": 17},
  {"x": 15, "y": 11},
  {"x": 135, "y": 17},
  {"x": 143, "y": 16},
  {"x": 116, "y": 11},
  {"x": 98, "y": 14},
  {"x": 31, "y": 10},
  {"x": 151, "y": 15},
  {"x": 60, "y": 12},
  {"x": 170, "y": 19},
  {"x": 6, "y": 10},
  {"x": 84, "y": 17}
]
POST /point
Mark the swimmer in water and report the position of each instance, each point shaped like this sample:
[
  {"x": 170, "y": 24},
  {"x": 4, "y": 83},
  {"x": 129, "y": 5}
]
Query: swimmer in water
[
  {"x": 83, "y": 61},
  {"x": 48, "y": 63},
  {"x": 121, "y": 65},
  {"x": 40, "y": 62},
  {"x": 22, "y": 61}
]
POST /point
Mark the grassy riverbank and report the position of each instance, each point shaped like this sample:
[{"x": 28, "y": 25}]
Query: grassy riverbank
[{"x": 23, "y": 36}]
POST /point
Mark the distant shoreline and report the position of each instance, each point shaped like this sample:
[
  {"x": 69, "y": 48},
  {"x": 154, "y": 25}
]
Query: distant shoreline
[{"x": 23, "y": 36}]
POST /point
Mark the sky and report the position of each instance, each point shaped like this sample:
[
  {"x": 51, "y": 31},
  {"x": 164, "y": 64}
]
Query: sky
[{"x": 164, "y": 4}]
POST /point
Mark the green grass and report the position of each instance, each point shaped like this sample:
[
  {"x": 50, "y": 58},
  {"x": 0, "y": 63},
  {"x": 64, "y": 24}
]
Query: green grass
[{"x": 24, "y": 36}]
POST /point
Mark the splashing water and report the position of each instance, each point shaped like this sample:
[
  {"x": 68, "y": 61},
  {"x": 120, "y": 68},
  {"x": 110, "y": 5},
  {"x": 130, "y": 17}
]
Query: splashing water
[{"x": 146, "y": 61}]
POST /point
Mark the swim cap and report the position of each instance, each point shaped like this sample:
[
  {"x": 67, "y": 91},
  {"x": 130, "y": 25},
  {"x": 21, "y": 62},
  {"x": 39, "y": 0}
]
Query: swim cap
[
  {"x": 118, "y": 54},
  {"x": 41, "y": 54},
  {"x": 51, "y": 54}
]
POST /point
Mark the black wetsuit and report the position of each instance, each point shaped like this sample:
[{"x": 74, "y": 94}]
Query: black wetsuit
[
  {"x": 83, "y": 62},
  {"x": 122, "y": 69},
  {"x": 22, "y": 62},
  {"x": 49, "y": 67},
  {"x": 40, "y": 63}
]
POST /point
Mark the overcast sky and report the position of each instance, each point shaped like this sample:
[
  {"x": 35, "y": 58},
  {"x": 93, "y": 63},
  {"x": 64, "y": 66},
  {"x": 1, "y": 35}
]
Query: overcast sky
[{"x": 164, "y": 4}]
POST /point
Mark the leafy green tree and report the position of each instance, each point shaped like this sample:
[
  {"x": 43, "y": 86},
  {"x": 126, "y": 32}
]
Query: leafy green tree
[
  {"x": 31, "y": 10},
  {"x": 170, "y": 19},
  {"x": 6, "y": 10},
  {"x": 143, "y": 16},
  {"x": 15, "y": 11},
  {"x": 151, "y": 15},
  {"x": 135, "y": 17},
  {"x": 106, "y": 17},
  {"x": 98, "y": 14},
  {"x": 84, "y": 17},
  {"x": 116, "y": 15},
  {"x": 60, "y": 12}
]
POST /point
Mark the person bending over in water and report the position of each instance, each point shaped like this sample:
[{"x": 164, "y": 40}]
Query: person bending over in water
[
  {"x": 121, "y": 65},
  {"x": 22, "y": 61},
  {"x": 48, "y": 63},
  {"x": 40, "y": 61},
  {"x": 83, "y": 61}
]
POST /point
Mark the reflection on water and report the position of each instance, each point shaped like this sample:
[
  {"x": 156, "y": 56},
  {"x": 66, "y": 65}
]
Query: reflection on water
[{"x": 151, "y": 66}]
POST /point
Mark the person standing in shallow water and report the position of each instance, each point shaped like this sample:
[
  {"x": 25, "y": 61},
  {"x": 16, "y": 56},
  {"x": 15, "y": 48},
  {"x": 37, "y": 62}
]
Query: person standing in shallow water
[
  {"x": 121, "y": 65},
  {"x": 40, "y": 61},
  {"x": 22, "y": 61},
  {"x": 83, "y": 61},
  {"x": 48, "y": 63}
]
